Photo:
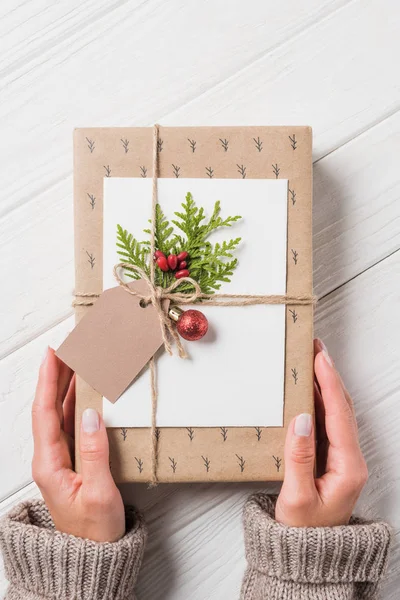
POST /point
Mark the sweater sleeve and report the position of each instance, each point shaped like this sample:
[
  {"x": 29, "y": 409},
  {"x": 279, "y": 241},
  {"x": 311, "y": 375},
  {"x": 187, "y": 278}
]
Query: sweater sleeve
[
  {"x": 42, "y": 563},
  {"x": 317, "y": 563}
]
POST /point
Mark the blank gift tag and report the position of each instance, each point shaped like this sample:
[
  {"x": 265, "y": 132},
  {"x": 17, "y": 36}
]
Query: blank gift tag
[{"x": 114, "y": 341}]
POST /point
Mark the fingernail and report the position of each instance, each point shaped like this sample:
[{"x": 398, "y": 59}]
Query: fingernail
[
  {"x": 302, "y": 425},
  {"x": 321, "y": 344},
  {"x": 90, "y": 420},
  {"x": 327, "y": 357},
  {"x": 45, "y": 355}
]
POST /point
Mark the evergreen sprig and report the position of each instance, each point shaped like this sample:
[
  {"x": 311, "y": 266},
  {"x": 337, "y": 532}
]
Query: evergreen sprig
[
  {"x": 209, "y": 264},
  {"x": 132, "y": 251}
]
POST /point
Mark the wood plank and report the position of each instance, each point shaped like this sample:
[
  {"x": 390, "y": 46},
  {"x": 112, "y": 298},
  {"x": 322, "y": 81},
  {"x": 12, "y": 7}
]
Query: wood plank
[
  {"x": 28, "y": 492},
  {"x": 330, "y": 77},
  {"x": 119, "y": 63},
  {"x": 356, "y": 212},
  {"x": 189, "y": 525},
  {"x": 60, "y": 80},
  {"x": 18, "y": 374},
  {"x": 356, "y": 223}
]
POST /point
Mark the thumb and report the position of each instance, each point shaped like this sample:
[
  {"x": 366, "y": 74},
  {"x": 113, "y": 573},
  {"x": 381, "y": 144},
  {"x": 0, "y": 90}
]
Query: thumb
[
  {"x": 300, "y": 454},
  {"x": 94, "y": 452}
]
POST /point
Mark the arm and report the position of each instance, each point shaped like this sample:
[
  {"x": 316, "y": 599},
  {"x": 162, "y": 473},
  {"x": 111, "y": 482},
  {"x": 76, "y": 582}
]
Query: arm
[
  {"x": 81, "y": 543},
  {"x": 306, "y": 544}
]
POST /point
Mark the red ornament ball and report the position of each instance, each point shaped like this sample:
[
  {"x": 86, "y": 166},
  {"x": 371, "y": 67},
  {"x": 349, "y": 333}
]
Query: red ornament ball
[{"x": 192, "y": 325}]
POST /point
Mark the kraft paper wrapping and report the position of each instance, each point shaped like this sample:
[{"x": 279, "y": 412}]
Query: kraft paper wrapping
[{"x": 202, "y": 454}]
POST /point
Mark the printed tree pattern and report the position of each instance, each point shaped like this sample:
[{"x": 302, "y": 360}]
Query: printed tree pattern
[
  {"x": 92, "y": 200},
  {"x": 139, "y": 464},
  {"x": 90, "y": 145},
  {"x": 210, "y": 172},
  {"x": 206, "y": 463},
  {"x": 278, "y": 462},
  {"x": 258, "y": 143},
  {"x": 242, "y": 171},
  {"x": 276, "y": 170},
  {"x": 241, "y": 462},
  {"x": 225, "y": 144},
  {"x": 293, "y": 142},
  {"x": 91, "y": 259}
]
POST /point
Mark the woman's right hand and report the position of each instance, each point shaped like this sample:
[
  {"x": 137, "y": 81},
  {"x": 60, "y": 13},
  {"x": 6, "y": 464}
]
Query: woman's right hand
[
  {"x": 86, "y": 504},
  {"x": 328, "y": 500}
]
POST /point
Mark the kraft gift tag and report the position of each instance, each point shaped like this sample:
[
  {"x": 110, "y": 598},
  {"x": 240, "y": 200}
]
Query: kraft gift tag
[{"x": 114, "y": 341}]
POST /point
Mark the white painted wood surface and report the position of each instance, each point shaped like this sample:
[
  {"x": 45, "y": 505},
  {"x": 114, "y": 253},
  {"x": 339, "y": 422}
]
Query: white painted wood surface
[{"x": 327, "y": 63}]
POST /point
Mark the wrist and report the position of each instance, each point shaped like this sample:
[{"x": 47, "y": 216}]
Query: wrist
[{"x": 309, "y": 516}]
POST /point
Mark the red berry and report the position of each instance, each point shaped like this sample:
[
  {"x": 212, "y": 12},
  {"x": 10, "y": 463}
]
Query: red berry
[
  {"x": 183, "y": 264},
  {"x": 158, "y": 254},
  {"x": 162, "y": 263},
  {"x": 182, "y": 273},
  {"x": 182, "y": 256},
  {"x": 172, "y": 261}
]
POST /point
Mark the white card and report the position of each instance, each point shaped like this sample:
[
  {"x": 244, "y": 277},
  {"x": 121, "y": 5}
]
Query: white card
[{"x": 235, "y": 375}]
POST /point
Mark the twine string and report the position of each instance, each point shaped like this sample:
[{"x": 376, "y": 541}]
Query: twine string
[
  {"x": 157, "y": 293},
  {"x": 156, "y": 301},
  {"x": 156, "y": 296}
]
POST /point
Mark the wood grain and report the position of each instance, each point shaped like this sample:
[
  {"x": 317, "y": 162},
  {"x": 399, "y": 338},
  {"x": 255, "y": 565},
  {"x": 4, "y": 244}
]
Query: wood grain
[
  {"x": 356, "y": 223},
  {"x": 330, "y": 64},
  {"x": 189, "y": 524}
]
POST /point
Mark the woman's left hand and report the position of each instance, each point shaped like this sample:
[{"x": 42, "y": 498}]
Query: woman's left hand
[{"x": 86, "y": 504}]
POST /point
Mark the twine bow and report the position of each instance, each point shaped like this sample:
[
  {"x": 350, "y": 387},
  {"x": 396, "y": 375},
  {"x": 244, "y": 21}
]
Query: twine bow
[{"x": 156, "y": 296}]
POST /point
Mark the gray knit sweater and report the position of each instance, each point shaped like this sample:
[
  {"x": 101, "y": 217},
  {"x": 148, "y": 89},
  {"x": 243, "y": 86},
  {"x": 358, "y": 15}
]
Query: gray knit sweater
[{"x": 284, "y": 563}]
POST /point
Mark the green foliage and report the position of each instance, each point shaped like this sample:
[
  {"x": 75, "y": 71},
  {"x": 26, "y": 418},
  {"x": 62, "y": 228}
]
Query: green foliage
[
  {"x": 163, "y": 231},
  {"x": 209, "y": 264},
  {"x": 132, "y": 251}
]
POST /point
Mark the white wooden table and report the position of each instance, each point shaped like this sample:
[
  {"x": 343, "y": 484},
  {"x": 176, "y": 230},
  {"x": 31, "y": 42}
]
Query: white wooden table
[{"x": 331, "y": 64}]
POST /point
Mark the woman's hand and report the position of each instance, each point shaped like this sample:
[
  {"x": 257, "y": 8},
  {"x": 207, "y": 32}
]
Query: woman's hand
[
  {"x": 88, "y": 504},
  {"x": 306, "y": 501}
]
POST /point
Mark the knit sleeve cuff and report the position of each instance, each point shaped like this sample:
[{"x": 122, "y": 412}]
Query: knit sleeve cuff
[
  {"x": 357, "y": 552},
  {"x": 51, "y": 564}
]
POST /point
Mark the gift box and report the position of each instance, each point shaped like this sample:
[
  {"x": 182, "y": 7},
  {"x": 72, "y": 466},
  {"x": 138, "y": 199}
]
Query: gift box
[{"x": 222, "y": 413}]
